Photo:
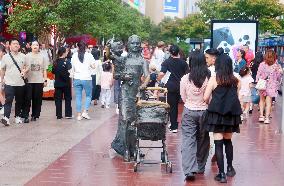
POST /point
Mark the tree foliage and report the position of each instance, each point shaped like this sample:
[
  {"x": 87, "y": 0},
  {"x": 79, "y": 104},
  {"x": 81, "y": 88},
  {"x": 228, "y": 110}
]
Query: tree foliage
[
  {"x": 170, "y": 29},
  {"x": 100, "y": 18},
  {"x": 267, "y": 12}
]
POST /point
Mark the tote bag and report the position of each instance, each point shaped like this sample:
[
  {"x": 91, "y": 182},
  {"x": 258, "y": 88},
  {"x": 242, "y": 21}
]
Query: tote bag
[{"x": 261, "y": 84}]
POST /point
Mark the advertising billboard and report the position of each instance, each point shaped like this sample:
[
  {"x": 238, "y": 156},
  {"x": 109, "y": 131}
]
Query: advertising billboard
[
  {"x": 171, "y": 6},
  {"x": 134, "y": 3},
  {"x": 233, "y": 35},
  {"x": 138, "y": 5}
]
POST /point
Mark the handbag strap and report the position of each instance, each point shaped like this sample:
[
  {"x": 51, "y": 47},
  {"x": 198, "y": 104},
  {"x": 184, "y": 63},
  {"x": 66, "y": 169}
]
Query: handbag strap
[{"x": 16, "y": 64}]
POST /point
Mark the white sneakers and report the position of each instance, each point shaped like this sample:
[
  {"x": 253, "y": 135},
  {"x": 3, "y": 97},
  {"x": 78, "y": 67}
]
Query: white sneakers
[
  {"x": 18, "y": 120},
  {"x": 5, "y": 121},
  {"x": 85, "y": 115},
  {"x": 79, "y": 118},
  {"x": 116, "y": 109}
]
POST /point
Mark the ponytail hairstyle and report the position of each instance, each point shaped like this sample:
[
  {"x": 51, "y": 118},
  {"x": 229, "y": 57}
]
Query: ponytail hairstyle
[{"x": 81, "y": 51}]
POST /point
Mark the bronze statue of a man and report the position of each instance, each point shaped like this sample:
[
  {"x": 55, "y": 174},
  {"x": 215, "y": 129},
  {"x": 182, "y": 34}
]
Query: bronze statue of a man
[{"x": 132, "y": 69}]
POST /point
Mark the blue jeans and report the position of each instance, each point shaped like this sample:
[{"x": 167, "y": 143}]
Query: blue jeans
[{"x": 79, "y": 85}]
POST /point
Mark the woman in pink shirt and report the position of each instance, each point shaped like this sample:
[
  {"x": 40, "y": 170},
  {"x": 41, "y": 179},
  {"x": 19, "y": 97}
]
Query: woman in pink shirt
[
  {"x": 195, "y": 141},
  {"x": 272, "y": 72}
]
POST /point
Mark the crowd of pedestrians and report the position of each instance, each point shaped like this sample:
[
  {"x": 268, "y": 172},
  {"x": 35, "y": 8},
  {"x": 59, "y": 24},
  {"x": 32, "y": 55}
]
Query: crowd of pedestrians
[{"x": 216, "y": 92}]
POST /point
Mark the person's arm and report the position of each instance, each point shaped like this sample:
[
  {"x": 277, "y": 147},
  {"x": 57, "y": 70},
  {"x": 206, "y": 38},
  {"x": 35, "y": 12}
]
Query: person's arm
[
  {"x": 2, "y": 74},
  {"x": 26, "y": 66},
  {"x": 45, "y": 67},
  {"x": 183, "y": 82},
  {"x": 239, "y": 86},
  {"x": 209, "y": 89},
  {"x": 164, "y": 69},
  {"x": 2, "y": 70},
  {"x": 146, "y": 75},
  {"x": 92, "y": 60}
]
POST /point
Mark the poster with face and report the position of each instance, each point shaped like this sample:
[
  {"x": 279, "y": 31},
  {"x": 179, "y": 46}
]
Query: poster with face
[{"x": 233, "y": 35}]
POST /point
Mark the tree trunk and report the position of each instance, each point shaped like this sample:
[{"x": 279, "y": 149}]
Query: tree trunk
[{"x": 55, "y": 45}]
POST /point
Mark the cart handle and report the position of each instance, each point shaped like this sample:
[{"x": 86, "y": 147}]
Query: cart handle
[{"x": 165, "y": 90}]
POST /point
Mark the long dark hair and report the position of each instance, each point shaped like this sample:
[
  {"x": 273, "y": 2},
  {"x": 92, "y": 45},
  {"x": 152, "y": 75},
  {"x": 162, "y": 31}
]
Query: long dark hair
[
  {"x": 224, "y": 71},
  {"x": 81, "y": 50},
  {"x": 198, "y": 70},
  {"x": 243, "y": 54}
]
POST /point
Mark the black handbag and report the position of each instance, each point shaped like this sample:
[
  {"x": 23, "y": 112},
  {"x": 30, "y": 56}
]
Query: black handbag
[{"x": 16, "y": 64}]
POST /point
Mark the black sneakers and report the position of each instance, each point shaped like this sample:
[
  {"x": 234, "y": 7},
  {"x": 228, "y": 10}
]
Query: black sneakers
[
  {"x": 221, "y": 177},
  {"x": 231, "y": 171},
  {"x": 189, "y": 177}
]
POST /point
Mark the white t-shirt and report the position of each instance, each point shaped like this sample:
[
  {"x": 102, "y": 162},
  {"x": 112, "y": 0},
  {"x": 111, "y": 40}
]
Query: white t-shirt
[
  {"x": 158, "y": 58},
  {"x": 213, "y": 72},
  {"x": 245, "y": 85},
  {"x": 82, "y": 71}
]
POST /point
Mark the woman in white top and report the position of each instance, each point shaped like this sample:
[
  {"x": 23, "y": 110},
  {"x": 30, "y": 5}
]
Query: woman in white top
[{"x": 82, "y": 65}]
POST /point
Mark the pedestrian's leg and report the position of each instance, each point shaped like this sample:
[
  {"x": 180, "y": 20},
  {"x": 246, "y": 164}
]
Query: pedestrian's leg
[
  {"x": 268, "y": 106},
  {"x": 68, "y": 99},
  {"x": 37, "y": 99},
  {"x": 218, "y": 140},
  {"x": 27, "y": 100},
  {"x": 189, "y": 143},
  {"x": 103, "y": 97},
  {"x": 78, "y": 92},
  {"x": 229, "y": 154},
  {"x": 261, "y": 105},
  {"x": 9, "y": 96},
  {"x": 98, "y": 92},
  {"x": 93, "y": 86},
  {"x": 58, "y": 102},
  {"x": 108, "y": 97},
  {"x": 173, "y": 102},
  {"x": 19, "y": 100},
  {"x": 203, "y": 145},
  {"x": 88, "y": 90}
]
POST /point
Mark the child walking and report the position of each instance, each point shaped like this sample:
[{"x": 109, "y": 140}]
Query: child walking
[
  {"x": 245, "y": 91},
  {"x": 106, "y": 84}
]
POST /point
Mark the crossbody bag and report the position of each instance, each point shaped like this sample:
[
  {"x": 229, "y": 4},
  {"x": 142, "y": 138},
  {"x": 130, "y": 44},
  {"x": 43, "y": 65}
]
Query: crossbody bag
[{"x": 16, "y": 64}]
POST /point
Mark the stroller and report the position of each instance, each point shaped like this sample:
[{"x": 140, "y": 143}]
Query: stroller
[{"x": 151, "y": 124}]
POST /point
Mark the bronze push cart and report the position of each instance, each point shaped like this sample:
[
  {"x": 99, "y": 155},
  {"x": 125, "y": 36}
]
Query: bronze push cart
[{"x": 151, "y": 124}]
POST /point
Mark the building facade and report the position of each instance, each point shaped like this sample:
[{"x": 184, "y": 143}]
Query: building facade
[
  {"x": 154, "y": 9},
  {"x": 157, "y": 10}
]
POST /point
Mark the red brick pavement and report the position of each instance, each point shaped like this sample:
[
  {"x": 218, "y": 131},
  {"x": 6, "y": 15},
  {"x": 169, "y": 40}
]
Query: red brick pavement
[{"x": 259, "y": 160}]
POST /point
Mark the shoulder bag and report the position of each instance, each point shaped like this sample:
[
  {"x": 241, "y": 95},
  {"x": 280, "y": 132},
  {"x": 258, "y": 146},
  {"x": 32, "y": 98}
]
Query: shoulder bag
[{"x": 16, "y": 64}]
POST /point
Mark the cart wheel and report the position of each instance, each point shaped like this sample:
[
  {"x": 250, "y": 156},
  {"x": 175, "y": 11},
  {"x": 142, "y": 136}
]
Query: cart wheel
[
  {"x": 163, "y": 157},
  {"x": 170, "y": 165},
  {"x": 135, "y": 167}
]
